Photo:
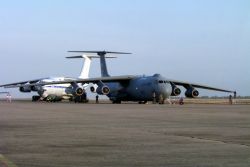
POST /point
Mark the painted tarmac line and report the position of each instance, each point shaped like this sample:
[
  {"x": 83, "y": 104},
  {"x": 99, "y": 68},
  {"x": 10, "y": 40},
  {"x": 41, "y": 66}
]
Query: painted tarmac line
[{"x": 5, "y": 162}]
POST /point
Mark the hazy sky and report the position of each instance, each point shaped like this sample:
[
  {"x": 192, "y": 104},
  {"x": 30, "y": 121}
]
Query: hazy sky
[{"x": 205, "y": 42}]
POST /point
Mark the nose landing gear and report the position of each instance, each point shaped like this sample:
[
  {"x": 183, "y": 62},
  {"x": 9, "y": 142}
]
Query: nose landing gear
[{"x": 161, "y": 99}]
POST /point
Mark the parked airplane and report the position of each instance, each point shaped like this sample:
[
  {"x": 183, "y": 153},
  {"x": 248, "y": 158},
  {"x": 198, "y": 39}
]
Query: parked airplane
[
  {"x": 135, "y": 88},
  {"x": 59, "y": 91}
]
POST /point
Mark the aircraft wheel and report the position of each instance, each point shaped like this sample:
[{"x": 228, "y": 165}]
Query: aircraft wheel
[
  {"x": 77, "y": 99},
  {"x": 161, "y": 99},
  {"x": 48, "y": 99},
  {"x": 161, "y": 102},
  {"x": 116, "y": 101},
  {"x": 35, "y": 98}
]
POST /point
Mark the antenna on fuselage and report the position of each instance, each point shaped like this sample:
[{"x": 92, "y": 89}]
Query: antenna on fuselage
[{"x": 102, "y": 56}]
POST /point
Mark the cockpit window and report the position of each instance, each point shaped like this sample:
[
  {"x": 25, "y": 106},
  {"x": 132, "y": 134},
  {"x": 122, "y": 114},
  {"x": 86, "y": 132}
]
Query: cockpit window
[{"x": 161, "y": 81}]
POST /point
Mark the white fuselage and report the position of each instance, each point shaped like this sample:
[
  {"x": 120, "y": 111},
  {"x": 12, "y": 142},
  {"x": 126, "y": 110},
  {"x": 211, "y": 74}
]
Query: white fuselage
[{"x": 65, "y": 91}]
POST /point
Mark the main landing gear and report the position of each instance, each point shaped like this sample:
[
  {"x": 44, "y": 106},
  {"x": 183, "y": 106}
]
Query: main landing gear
[
  {"x": 116, "y": 101},
  {"x": 35, "y": 98},
  {"x": 81, "y": 99}
]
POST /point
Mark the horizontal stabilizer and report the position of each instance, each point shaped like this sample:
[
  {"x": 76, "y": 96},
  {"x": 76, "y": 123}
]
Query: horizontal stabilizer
[
  {"x": 100, "y": 52},
  {"x": 81, "y": 56}
]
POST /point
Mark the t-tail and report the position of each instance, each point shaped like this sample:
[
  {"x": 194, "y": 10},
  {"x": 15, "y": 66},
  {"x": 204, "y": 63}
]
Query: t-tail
[
  {"x": 86, "y": 65},
  {"x": 102, "y": 55}
]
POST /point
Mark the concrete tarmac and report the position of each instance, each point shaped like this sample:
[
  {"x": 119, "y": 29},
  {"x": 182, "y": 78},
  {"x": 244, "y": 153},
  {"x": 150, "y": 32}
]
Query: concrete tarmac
[{"x": 114, "y": 135}]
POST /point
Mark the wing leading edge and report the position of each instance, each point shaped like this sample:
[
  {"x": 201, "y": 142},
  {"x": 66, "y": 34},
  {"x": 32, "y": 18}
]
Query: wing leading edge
[
  {"x": 124, "y": 78},
  {"x": 188, "y": 84},
  {"x": 83, "y": 81},
  {"x": 18, "y": 84}
]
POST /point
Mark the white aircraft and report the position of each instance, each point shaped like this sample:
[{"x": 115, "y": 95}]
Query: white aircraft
[{"x": 70, "y": 91}]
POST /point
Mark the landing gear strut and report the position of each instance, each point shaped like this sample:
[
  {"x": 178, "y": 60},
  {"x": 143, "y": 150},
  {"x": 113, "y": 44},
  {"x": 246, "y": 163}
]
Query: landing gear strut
[
  {"x": 35, "y": 98},
  {"x": 161, "y": 99},
  {"x": 81, "y": 99}
]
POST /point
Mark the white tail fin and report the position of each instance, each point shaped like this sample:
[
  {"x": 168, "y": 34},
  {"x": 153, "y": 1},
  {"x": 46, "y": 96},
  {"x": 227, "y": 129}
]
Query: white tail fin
[
  {"x": 86, "y": 65},
  {"x": 85, "y": 68},
  {"x": 102, "y": 54},
  {"x": 87, "y": 62}
]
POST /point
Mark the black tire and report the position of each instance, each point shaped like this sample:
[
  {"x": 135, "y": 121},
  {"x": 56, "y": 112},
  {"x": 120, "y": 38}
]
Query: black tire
[
  {"x": 35, "y": 98},
  {"x": 116, "y": 102}
]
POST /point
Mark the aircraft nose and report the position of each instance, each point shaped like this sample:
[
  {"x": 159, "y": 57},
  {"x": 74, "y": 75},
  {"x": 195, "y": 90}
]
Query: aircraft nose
[{"x": 164, "y": 89}]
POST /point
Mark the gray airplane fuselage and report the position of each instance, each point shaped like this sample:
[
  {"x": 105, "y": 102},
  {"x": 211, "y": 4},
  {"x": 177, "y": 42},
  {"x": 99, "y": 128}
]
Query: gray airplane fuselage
[{"x": 141, "y": 88}]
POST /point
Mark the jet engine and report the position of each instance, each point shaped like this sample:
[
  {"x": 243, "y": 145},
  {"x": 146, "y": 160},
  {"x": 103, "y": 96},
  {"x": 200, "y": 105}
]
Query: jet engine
[
  {"x": 25, "y": 89},
  {"x": 103, "y": 90},
  {"x": 78, "y": 91},
  {"x": 175, "y": 91},
  {"x": 191, "y": 92},
  {"x": 34, "y": 88},
  {"x": 93, "y": 88}
]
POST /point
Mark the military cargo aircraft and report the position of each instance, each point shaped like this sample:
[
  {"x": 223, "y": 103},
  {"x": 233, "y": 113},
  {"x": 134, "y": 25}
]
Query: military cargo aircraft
[{"x": 135, "y": 88}]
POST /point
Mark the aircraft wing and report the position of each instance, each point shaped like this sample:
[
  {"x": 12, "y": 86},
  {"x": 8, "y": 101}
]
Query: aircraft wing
[
  {"x": 188, "y": 84},
  {"x": 109, "y": 79},
  {"x": 18, "y": 84},
  {"x": 89, "y": 80}
]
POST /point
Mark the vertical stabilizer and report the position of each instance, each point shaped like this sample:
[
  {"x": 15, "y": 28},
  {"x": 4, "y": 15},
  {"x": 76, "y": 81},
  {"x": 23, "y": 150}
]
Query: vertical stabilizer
[
  {"x": 85, "y": 68},
  {"x": 86, "y": 65},
  {"x": 104, "y": 70}
]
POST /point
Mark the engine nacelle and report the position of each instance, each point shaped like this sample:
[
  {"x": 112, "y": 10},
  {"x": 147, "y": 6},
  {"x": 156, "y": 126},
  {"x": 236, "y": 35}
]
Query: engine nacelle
[
  {"x": 34, "y": 88},
  {"x": 175, "y": 91},
  {"x": 104, "y": 90},
  {"x": 93, "y": 88},
  {"x": 78, "y": 91},
  {"x": 191, "y": 93},
  {"x": 25, "y": 89}
]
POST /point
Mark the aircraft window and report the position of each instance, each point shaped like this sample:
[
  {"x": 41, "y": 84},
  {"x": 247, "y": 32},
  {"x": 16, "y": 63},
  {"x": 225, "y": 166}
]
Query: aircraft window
[{"x": 161, "y": 81}]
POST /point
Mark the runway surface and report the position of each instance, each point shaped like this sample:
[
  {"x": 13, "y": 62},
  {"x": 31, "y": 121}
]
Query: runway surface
[{"x": 67, "y": 134}]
